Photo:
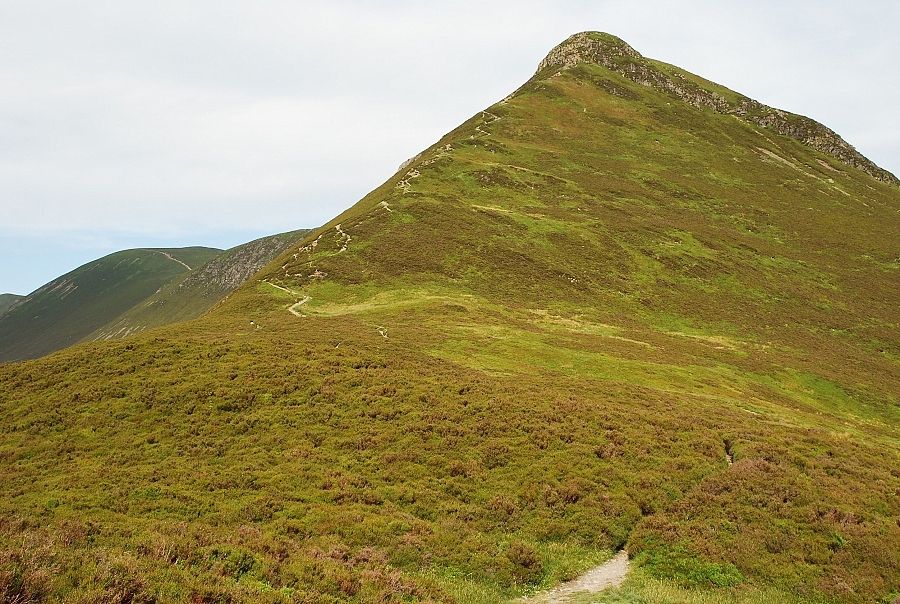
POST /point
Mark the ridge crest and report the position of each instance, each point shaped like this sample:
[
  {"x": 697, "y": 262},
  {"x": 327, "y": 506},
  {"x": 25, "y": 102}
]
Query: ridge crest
[{"x": 615, "y": 54}]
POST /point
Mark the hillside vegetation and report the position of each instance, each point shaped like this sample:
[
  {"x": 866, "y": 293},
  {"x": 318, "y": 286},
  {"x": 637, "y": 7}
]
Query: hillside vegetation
[
  {"x": 7, "y": 301},
  {"x": 596, "y": 315},
  {"x": 70, "y": 307},
  {"x": 191, "y": 294}
]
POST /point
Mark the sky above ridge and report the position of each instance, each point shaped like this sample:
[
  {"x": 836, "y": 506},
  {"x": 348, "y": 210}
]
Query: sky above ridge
[{"x": 212, "y": 122}]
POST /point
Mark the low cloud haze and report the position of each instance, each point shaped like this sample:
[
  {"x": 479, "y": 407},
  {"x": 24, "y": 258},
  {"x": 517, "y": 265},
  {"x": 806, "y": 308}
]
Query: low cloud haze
[{"x": 135, "y": 124}]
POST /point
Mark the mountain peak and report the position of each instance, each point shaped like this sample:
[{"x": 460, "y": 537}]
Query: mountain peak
[
  {"x": 589, "y": 47},
  {"x": 612, "y": 53}
]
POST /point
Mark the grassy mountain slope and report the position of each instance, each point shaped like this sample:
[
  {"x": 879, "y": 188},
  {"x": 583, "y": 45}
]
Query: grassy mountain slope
[
  {"x": 189, "y": 297},
  {"x": 597, "y": 314},
  {"x": 72, "y": 306},
  {"x": 7, "y": 301}
]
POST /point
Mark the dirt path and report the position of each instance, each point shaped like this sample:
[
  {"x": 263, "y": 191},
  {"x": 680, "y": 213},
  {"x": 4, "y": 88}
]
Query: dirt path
[
  {"x": 609, "y": 574},
  {"x": 172, "y": 258},
  {"x": 345, "y": 238},
  {"x": 284, "y": 289},
  {"x": 405, "y": 184},
  {"x": 488, "y": 118},
  {"x": 293, "y": 308}
]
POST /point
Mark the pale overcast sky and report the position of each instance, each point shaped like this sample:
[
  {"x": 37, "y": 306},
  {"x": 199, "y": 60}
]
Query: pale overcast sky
[{"x": 211, "y": 122}]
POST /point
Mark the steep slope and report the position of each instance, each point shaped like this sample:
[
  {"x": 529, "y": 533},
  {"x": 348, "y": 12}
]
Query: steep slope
[
  {"x": 597, "y": 314},
  {"x": 7, "y": 301},
  {"x": 72, "y": 306},
  {"x": 191, "y": 296},
  {"x": 615, "y": 55}
]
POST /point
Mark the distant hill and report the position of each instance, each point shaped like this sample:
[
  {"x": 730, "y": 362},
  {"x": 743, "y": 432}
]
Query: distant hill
[
  {"x": 128, "y": 292},
  {"x": 70, "y": 307},
  {"x": 7, "y": 301},
  {"x": 197, "y": 291}
]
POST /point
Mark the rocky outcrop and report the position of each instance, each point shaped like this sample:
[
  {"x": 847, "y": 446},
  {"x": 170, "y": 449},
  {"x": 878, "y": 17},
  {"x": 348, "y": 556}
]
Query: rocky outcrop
[
  {"x": 231, "y": 269},
  {"x": 614, "y": 54},
  {"x": 589, "y": 47},
  {"x": 190, "y": 296},
  {"x": 409, "y": 161}
]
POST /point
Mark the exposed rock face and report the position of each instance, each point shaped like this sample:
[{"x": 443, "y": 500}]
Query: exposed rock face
[
  {"x": 590, "y": 47},
  {"x": 228, "y": 271},
  {"x": 409, "y": 161},
  {"x": 200, "y": 289},
  {"x": 614, "y": 54}
]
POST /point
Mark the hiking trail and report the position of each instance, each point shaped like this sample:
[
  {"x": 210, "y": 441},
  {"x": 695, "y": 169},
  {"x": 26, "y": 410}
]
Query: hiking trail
[
  {"x": 172, "y": 258},
  {"x": 611, "y": 573}
]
